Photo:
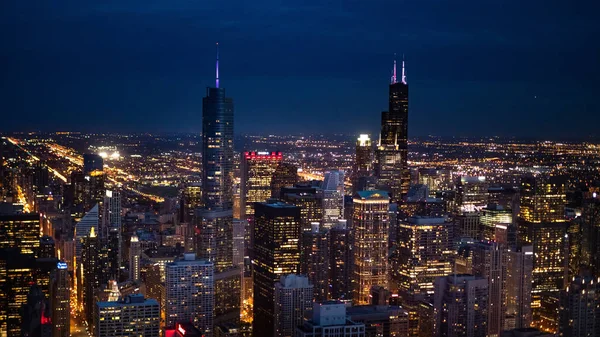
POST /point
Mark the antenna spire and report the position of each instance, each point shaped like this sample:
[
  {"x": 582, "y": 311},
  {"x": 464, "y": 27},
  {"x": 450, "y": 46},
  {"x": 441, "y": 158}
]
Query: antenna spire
[
  {"x": 217, "y": 65},
  {"x": 403, "y": 71},
  {"x": 394, "y": 78}
]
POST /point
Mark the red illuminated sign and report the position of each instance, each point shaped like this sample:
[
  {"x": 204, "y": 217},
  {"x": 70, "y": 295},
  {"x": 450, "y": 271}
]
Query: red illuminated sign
[{"x": 181, "y": 329}]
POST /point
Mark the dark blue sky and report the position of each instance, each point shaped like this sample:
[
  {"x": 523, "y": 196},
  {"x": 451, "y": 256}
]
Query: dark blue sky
[{"x": 486, "y": 67}]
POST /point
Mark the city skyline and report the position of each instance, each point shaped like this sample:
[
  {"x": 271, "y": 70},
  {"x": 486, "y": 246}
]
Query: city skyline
[{"x": 470, "y": 74}]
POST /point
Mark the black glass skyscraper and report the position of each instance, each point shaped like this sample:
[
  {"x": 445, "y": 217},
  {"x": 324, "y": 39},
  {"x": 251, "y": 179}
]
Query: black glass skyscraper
[
  {"x": 214, "y": 240},
  {"x": 392, "y": 151}
]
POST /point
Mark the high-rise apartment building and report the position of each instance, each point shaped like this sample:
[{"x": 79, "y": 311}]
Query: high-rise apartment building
[
  {"x": 461, "y": 306},
  {"x": 370, "y": 224},
  {"x": 519, "y": 273},
  {"x": 132, "y": 316},
  {"x": 60, "y": 297},
  {"x": 190, "y": 293},
  {"x": 293, "y": 301},
  {"x": 425, "y": 252},
  {"x": 392, "y": 151},
  {"x": 277, "y": 253}
]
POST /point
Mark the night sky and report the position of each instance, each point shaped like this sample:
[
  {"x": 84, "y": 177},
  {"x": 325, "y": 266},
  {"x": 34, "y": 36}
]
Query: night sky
[{"x": 475, "y": 68}]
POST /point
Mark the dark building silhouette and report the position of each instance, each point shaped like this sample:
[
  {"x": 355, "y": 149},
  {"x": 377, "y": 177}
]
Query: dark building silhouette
[{"x": 286, "y": 175}]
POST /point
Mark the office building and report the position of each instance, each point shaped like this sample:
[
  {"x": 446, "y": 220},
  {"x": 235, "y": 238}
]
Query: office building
[
  {"x": 84, "y": 227},
  {"x": 293, "y": 301},
  {"x": 391, "y": 167},
  {"x": 233, "y": 330},
  {"x": 590, "y": 235},
  {"x": 310, "y": 201},
  {"x": 20, "y": 231},
  {"x": 277, "y": 253},
  {"x": 370, "y": 225},
  {"x": 88, "y": 275},
  {"x": 35, "y": 314},
  {"x": 525, "y": 332},
  {"x": 47, "y": 248},
  {"x": 257, "y": 171},
  {"x": 580, "y": 308},
  {"x": 333, "y": 198},
  {"x": 111, "y": 231},
  {"x": 435, "y": 179},
  {"x": 134, "y": 315},
  {"x": 285, "y": 175},
  {"x": 190, "y": 293},
  {"x": 543, "y": 199},
  {"x": 17, "y": 274},
  {"x": 380, "y": 320},
  {"x": 461, "y": 306},
  {"x": 519, "y": 274},
  {"x": 314, "y": 261},
  {"x": 60, "y": 292},
  {"x": 491, "y": 217},
  {"x": 329, "y": 319},
  {"x": 468, "y": 225},
  {"x": 472, "y": 193},
  {"x": 363, "y": 163},
  {"x": 340, "y": 262}
]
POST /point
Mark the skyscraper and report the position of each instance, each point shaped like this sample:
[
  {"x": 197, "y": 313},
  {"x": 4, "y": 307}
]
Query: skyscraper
[
  {"x": 363, "y": 164},
  {"x": 519, "y": 273},
  {"x": 277, "y": 253},
  {"x": 84, "y": 227},
  {"x": 215, "y": 219},
  {"x": 60, "y": 292},
  {"x": 461, "y": 306},
  {"x": 370, "y": 225},
  {"x": 190, "y": 293},
  {"x": 580, "y": 308},
  {"x": 285, "y": 175},
  {"x": 392, "y": 151},
  {"x": 132, "y": 316},
  {"x": 314, "y": 261},
  {"x": 257, "y": 170},
  {"x": 310, "y": 201},
  {"x": 329, "y": 319},
  {"x": 333, "y": 198},
  {"x": 112, "y": 229},
  {"x": 293, "y": 300},
  {"x": 88, "y": 275},
  {"x": 340, "y": 263},
  {"x": 472, "y": 193},
  {"x": 20, "y": 231},
  {"x": 135, "y": 256}
]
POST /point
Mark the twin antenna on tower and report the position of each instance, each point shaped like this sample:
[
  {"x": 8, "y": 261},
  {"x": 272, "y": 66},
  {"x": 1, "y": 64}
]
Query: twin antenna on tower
[{"x": 394, "y": 78}]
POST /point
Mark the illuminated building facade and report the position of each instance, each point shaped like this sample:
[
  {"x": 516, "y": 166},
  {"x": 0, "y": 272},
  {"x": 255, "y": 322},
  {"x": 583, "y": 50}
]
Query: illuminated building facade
[
  {"x": 519, "y": 273},
  {"x": 17, "y": 274},
  {"x": 285, "y": 175},
  {"x": 60, "y": 297},
  {"x": 363, "y": 164},
  {"x": 472, "y": 193},
  {"x": 88, "y": 275},
  {"x": 468, "y": 225},
  {"x": 20, "y": 231},
  {"x": 492, "y": 216},
  {"x": 277, "y": 253},
  {"x": 580, "y": 308},
  {"x": 333, "y": 198},
  {"x": 460, "y": 305},
  {"x": 135, "y": 256},
  {"x": 192, "y": 200},
  {"x": 425, "y": 251},
  {"x": 310, "y": 201},
  {"x": 380, "y": 320},
  {"x": 257, "y": 170},
  {"x": 314, "y": 262},
  {"x": 132, "y": 316},
  {"x": 329, "y": 319},
  {"x": 435, "y": 179},
  {"x": 214, "y": 238},
  {"x": 370, "y": 225},
  {"x": 190, "y": 293},
  {"x": 293, "y": 300},
  {"x": 543, "y": 199},
  {"x": 392, "y": 151},
  {"x": 84, "y": 227}
]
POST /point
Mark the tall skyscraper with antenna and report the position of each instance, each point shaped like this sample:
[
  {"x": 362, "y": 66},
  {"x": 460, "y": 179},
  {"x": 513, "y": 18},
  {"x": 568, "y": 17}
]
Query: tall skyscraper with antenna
[
  {"x": 214, "y": 240},
  {"x": 392, "y": 150}
]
